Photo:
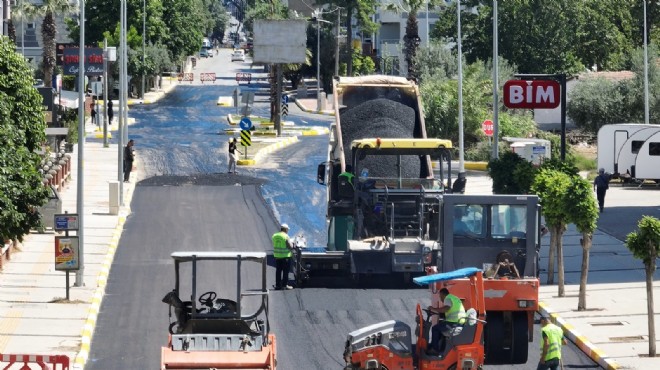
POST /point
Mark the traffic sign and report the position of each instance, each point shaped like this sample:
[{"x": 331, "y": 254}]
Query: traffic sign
[
  {"x": 532, "y": 94},
  {"x": 487, "y": 126},
  {"x": 285, "y": 99},
  {"x": 245, "y": 123},
  {"x": 66, "y": 222},
  {"x": 246, "y": 138}
]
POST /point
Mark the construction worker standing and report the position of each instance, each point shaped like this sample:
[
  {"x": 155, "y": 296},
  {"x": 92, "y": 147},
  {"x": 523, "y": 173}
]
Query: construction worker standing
[
  {"x": 452, "y": 307},
  {"x": 553, "y": 338},
  {"x": 282, "y": 251}
]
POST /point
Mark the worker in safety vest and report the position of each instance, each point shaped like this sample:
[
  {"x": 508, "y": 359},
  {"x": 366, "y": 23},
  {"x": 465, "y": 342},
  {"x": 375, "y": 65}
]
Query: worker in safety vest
[
  {"x": 282, "y": 251},
  {"x": 454, "y": 312},
  {"x": 553, "y": 338}
]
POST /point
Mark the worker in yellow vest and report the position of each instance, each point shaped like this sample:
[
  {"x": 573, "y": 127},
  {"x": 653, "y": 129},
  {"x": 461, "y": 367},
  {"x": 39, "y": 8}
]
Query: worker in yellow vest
[
  {"x": 282, "y": 251},
  {"x": 552, "y": 340},
  {"x": 452, "y": 308}
]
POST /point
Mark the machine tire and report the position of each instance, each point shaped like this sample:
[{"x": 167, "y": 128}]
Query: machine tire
[
  {"x": 493, "y": 334},
  {"x": 520, "y": 338}
]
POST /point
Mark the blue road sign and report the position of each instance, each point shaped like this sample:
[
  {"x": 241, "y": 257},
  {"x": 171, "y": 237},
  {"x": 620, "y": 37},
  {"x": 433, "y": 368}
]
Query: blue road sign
[
  {"x": 245, "y": 123},
  {"x": 285, "y": 99}
]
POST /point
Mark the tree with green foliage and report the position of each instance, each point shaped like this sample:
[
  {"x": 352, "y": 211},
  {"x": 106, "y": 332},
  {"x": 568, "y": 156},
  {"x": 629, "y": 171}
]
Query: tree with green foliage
[
  {"x": 545, "y": 36},
  {"x": 645, "y": 245},
  {"x": 50, "y": 9},
  {"x": 362, "y": 11},
  {"x": 581, "y": 205},
  {"x": 551, "y": 186},
  {"x": 22, "y": 132},
  {"x": 511, "y": 174},
  {"x": 595, "y": 102},
  {"x": 411, "y": 39}
]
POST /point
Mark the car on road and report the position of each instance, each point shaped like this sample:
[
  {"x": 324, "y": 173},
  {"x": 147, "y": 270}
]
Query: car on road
[
  {"x": 238, "y": 55},
  {"x": 203, "y": 53}
]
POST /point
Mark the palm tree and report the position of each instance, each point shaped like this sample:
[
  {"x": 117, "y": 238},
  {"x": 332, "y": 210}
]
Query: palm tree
[
  {"x": 411, "y": 39},
  {"x": 23, "y": 10},
  {"x": 49, "y": 9}
]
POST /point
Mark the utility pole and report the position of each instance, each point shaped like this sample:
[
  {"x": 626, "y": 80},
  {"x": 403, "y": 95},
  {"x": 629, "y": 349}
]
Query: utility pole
[
  {"x": 496, "y": 83},
  {"x": 337, "y": 43},
  {"x": 105, "y": 93},
  {"x": 80, "y": 183},
  {"x": 318, "y": 60},
  {"x": 144, "y": 27}
]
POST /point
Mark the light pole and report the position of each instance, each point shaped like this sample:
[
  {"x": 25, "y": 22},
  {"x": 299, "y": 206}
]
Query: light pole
[
  {"x": 461, "y": 159},
  {"x": 496, "y": 76},
  {"x": 646, "y": 71},
  {"x": 144, "y": 22},
  {"x": 428, "y": 41},
  {"x": 337, "y": 42},
  {"x": 23, "y": 29},
  {"x": 318, "y": 60},
  {"x": 80, "y": 184}
]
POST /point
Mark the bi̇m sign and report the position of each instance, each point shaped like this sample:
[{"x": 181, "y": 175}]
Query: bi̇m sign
[{"x": 531, "y": 94}]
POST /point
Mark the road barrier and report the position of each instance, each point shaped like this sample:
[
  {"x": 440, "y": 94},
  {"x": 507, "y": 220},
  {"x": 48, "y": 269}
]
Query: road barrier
[
  {"x": 207, "y": 77},
  {"x": 45, "y": 362},
  {"x": 186, "y": 77},
  {"x": 242, "y": 76}
]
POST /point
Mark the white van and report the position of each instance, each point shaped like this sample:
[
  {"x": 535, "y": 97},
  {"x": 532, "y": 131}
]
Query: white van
[{"x": 206, "y": 43}]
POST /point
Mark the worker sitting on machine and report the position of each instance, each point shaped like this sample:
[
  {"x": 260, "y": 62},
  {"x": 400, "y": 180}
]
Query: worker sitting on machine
[{"x": 454, "y": 311}]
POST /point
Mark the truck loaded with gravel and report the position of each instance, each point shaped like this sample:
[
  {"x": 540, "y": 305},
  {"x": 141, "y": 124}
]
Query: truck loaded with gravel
[{"x": 392, "y": 211}]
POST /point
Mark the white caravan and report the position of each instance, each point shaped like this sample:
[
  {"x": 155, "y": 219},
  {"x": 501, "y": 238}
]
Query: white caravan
[{"x": 630, "y": 148}]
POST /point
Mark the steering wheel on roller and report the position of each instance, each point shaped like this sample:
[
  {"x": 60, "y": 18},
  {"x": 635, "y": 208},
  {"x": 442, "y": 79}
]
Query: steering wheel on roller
[{"x": 207, "y": 298}]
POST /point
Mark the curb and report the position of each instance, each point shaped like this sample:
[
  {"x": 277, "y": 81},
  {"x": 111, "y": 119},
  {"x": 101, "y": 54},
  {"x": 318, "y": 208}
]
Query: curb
[
  {"x": 325, "y": 113},
  {"x": 101, "y": 282},
  {"x": 273, "y": 147},
  {"x": 580, "y": 341},
  {"x": 476, "y": 166}
]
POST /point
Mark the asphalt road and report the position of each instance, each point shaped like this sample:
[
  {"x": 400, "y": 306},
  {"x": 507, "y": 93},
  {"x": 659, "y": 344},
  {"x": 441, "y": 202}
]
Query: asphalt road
[{"x": 191, "y": 205}]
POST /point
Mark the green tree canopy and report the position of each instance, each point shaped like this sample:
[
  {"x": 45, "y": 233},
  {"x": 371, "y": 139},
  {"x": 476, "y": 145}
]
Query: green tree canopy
[{"x": 22, "y": 132}]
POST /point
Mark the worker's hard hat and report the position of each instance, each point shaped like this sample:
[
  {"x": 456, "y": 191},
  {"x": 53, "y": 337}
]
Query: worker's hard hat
[{"x": 284, "y": 226}]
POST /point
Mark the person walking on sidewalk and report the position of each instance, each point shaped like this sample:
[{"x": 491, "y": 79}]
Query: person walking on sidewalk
[
  {"x": 552, "y": 340},
  {"x": 601, "y": 184},
  {"x": 232, "y": 156},
  {"x": 110, "y": 112},
  {"x": 129, "y": 155},
  {"x": 283, "y": 252}
]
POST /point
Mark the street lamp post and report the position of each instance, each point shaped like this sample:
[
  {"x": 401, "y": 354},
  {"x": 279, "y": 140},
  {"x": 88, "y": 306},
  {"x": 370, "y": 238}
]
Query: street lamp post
[
  {"x": 80, "y": 184},
  {"x": 144, "y": 22},
  {"x": 496, "y": 76},
  {"x": 461, "y": 159},
  {"x": 428, "y": 41},
  {"x": 318, "y": 60},
  {"x": 646, "y": 71}
]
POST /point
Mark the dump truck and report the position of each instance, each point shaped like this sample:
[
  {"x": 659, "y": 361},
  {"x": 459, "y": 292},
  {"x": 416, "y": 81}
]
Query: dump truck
[
  {"x": 388, "y": 345},
  {"x": 393, "y": 209},
  {"x": 210, "y": 332}
]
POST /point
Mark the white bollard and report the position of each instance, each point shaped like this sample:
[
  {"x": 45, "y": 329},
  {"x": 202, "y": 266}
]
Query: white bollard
[{"x": 114, "y": 197}]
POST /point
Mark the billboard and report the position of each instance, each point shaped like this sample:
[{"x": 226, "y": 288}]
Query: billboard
[
  {"x": 93, "y": 61},
  {"x": 280, "y": 41}
]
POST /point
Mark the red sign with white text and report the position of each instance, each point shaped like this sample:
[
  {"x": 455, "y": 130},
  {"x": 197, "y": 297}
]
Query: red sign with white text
[
  {"x": 532, "y": 94},
  {"x": 487, "y": 126}
]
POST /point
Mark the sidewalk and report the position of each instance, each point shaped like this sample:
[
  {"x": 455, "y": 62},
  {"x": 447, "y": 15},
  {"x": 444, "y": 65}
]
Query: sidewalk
[{"x": 35, "y": 318}]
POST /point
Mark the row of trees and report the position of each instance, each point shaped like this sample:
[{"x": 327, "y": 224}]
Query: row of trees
[
  {"x": 22, "y": 131},
  {"x": 567, "y": 198},
  {"x": 173, "y": 29}
]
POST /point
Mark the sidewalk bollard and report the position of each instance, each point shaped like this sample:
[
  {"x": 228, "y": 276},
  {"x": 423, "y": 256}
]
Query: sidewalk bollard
[{"x": 114, "y": 197}]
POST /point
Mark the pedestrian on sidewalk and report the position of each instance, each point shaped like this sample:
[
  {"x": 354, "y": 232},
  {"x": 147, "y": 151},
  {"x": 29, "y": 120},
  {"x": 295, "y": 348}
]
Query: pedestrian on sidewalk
[
  {"x": 232, "y": 157},
  {"x": 94, "y": 122},
  {"x": 129, "y": 155},
  {"x": 111, "y": 114},
  {"x": 282, "y": 252},
  {"x": 601, "y": 184},
  {"x": 551, "y": 342}
]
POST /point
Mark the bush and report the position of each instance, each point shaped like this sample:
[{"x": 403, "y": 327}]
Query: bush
[
  {"x": 483, "y": 150},
  {"x": 511, "y": 174}
]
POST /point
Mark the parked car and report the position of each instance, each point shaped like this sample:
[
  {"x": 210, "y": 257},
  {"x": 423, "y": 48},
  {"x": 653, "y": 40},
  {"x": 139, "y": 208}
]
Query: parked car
[
  {"x": 203, "y": 53},
  {"x": 238, "y": 55}
]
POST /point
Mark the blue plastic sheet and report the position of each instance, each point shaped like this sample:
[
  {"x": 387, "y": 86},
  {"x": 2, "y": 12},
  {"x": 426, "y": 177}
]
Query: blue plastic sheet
[{"x": 444, "y": 276}]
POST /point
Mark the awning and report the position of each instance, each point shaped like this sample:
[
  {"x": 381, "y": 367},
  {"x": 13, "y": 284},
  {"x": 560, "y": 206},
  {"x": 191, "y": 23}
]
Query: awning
[{"x": 68, "y": 99}]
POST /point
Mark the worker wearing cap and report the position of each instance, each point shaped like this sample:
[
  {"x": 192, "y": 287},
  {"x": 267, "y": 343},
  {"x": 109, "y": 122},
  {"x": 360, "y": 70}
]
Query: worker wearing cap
[
  {"x": 601, "y": 184},
  {"x": 552, "y": 340},
  {"x": 282, "y": 251}
]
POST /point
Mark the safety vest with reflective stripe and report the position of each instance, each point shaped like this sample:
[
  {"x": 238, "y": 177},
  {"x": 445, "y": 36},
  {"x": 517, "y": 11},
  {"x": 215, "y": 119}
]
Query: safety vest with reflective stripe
[
  {"x": 279, "y": 245},
  {"x": 554, "y": 335},
  {"x": 456, "y": 312}
]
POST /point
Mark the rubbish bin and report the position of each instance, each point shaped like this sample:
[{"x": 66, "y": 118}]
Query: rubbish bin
[{"x": 50, "y": 209}]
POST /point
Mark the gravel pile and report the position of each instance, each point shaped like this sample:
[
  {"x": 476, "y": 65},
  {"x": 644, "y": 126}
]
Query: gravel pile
[{"x": 380, "y": 118}]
